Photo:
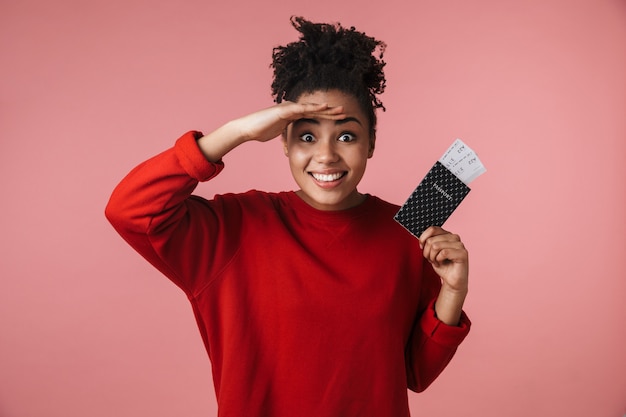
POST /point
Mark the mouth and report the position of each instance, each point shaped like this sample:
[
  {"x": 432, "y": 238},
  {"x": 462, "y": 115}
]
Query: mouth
[{"x": 328, "y": 178}]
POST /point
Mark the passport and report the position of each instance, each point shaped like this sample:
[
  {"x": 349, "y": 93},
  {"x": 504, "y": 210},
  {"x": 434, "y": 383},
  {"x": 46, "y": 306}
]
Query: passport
[{"x": 441, "y": 191}]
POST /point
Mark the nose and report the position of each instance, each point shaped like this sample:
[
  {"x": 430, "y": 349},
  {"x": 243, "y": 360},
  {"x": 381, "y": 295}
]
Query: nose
[{"x": 326, "y": 151}]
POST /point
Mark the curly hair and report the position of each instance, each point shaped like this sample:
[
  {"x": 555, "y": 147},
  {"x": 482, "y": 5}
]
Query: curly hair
[{"x": 330, "y": 57}]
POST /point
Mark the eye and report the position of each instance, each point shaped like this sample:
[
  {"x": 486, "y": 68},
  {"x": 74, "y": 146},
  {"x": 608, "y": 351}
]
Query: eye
[
  {"x": 307, "y": 137},
  {"x": 346, "y": 137}
]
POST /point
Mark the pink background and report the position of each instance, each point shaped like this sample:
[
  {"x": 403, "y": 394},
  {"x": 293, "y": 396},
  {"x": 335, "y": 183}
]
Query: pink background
[{"x": 537, "y": 88}]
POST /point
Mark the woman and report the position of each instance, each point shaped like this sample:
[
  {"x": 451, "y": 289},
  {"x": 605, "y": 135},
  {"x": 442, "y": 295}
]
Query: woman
[{"x": 313, "y": 302}]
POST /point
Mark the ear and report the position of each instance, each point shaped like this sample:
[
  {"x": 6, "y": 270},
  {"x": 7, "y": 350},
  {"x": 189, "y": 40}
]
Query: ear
[
  {"x": 370, "y": 153},
  {"x": 283, "y": 137}
]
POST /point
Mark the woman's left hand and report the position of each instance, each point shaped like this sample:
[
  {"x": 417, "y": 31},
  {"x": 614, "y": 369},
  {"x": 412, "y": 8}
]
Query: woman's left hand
[{"x": 448, "y": 256}]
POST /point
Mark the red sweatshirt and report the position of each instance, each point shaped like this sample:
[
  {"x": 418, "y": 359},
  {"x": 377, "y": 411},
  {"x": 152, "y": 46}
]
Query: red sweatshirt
[{"x": 303, "y": 312}]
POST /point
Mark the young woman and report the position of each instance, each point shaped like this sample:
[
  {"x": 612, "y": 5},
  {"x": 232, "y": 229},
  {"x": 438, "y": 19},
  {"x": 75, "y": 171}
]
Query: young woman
[{"x": 313, "y": 302}]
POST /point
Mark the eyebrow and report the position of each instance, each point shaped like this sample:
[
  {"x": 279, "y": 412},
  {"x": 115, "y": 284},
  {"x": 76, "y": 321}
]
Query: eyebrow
[{"x": 317, "y": 122}]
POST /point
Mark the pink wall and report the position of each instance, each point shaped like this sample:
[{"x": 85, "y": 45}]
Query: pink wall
[{"x": 537, "y": 88}]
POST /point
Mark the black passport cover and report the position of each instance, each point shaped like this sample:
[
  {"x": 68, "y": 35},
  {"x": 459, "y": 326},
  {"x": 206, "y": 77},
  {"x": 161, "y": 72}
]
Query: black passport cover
[{"x": 433, "y": 201}]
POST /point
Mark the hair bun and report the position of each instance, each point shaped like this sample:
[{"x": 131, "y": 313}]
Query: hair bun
[{"x": 329, "y": 56}]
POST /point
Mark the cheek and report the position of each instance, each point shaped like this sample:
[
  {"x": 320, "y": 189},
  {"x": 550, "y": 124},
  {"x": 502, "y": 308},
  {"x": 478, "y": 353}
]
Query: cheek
[
  {"x": 297, "y": 157},
  {"x": 358, "y": 160}
]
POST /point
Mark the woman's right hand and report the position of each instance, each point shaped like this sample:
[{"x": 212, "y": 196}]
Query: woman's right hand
[
  {"x": 269, "y": 123},
  {"x": 262, "y": 126}
]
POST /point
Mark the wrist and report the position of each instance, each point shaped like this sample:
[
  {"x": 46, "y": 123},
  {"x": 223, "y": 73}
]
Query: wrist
[
  {"x": 221, "y": 141},
  {"x": 454, "y": 291},
  {"x": 449, "y": 305}
]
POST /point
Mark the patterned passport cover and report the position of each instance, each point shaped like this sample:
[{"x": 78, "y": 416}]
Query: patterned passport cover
[{"x": 433, "y": 201}]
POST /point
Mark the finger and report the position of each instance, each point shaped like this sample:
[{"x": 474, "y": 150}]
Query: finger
[
  {"x": 430, "y": 232},
  {"x": 451, "y": 254},
  {"x": 327, "y": 112},
  {"x": 309, "y": 107},
  {"x": 295, "y": 111},
  {"x": 436, "y": 234},
  {"x": 441, "y": 254},
  {"x": 434, "y": 244}
]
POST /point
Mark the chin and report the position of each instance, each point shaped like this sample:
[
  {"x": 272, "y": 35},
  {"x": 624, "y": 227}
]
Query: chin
[{"x": 327, "y": 202}]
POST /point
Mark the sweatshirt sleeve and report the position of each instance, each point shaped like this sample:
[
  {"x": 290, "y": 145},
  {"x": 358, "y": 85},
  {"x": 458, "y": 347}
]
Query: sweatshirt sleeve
[
  {"x": 433, "y": 343},
  {"x": 153, "y": 210}
]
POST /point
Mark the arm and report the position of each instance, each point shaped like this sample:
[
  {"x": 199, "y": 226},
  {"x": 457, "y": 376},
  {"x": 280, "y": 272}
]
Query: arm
[
  {"x": 449, "y": 258},
  {"x": 442, "y": 325},
  {"x": 261, "y": 126},
  {"x": 153, "y": 210}
]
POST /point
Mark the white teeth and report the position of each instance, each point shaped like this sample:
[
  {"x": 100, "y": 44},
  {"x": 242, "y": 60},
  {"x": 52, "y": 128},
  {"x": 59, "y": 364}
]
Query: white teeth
[{"x": 327, "y": 177}]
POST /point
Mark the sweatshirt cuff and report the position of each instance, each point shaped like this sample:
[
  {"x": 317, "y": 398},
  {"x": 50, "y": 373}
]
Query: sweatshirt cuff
[
  {"x": 442, "y": 333},
  {"x": 192, "y": 159}
]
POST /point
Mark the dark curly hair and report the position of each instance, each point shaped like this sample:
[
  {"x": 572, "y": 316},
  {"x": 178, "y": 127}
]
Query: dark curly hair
[{"x": 330, "y": 57}]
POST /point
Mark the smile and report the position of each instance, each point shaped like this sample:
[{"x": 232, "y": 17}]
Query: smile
[{"x": 327, "y": 177}]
